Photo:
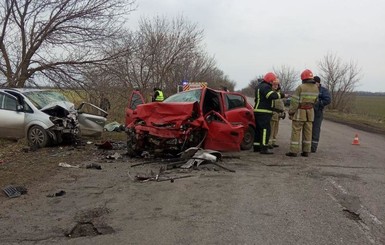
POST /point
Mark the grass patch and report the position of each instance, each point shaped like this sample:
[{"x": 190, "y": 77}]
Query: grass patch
[
  {"x": 366, "y": 112},
  {"x": 358, "y": 121},
  {"x": 371, "y": 107}
]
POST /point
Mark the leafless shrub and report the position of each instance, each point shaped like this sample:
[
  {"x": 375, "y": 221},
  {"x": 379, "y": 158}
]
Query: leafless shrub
[
  {"x": 288, "y": 77},
  {"x": 341, "y": 79}
]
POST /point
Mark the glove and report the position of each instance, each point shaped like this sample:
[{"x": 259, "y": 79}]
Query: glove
[{"x": 282, "y": 115}]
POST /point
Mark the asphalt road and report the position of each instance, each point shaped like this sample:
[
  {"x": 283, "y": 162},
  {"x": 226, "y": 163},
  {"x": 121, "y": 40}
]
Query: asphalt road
[{"x": 336, "y": 196}]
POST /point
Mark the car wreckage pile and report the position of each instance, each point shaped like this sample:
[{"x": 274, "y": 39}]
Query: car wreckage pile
[{"x": 203, "y": 118}]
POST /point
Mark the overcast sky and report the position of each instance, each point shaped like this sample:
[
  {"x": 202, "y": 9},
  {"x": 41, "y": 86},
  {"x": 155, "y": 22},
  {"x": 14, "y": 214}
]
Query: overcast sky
[{"x": 250, "y": 37}]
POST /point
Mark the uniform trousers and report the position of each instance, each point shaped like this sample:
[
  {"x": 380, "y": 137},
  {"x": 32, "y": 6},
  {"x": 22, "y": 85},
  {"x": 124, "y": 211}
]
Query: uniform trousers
[
  {"x": 262, "y": 130},
  {"x": 274, "y": 125},
  {"x": 298, "y": 127},
  {"x": 318, "y": 117}
]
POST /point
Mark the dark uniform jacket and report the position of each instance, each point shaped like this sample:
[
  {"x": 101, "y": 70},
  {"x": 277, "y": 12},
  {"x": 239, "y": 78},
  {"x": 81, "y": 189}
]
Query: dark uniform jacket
[
  {"x": 324, "y": 99},
  {"x": 264, "y": 97}
]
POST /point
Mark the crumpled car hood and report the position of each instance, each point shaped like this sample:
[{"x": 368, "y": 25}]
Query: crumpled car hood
[
  {"x": 161, "y": 114},
  {"x": 63, "y": 104},
  {"x": 63, "y": 114}
]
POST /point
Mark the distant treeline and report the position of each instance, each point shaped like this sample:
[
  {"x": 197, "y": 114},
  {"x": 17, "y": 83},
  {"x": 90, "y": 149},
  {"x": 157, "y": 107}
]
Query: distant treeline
[{"x": 363, "y": 93}]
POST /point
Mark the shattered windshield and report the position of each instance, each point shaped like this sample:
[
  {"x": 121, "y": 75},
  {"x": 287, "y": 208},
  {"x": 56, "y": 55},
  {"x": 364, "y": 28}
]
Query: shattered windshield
[
  {"x": 42, "y": 98},
  {"x": 188, "y": 96}
]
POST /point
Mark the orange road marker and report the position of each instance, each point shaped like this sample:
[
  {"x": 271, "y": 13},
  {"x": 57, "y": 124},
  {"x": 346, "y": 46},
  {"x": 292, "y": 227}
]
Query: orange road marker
[{"x": 356, "y": 140}]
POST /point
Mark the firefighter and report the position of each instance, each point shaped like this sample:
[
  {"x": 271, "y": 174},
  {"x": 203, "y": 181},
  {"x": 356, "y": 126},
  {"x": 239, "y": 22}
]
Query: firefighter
[
  {"x": 301, "y": 113},
  {"x": 158, "y": 95},
  {"x": 263, "y": 111},
  {"x": 278, "y": 113},
  {"x": 324, "y": 99}
]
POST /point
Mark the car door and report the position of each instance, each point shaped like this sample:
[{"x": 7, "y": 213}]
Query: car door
[
  {"x": 135, "y": 99},
  {"x": 222, "y": 135},
  {"x": 12, "y": 117},
  {"x": 91, "y": 119},
  {"x": 237, "y": 110}
]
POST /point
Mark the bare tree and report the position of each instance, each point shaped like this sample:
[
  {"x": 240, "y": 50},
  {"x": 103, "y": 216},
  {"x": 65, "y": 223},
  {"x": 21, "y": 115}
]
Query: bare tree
[
  {"x": 178, "y": 43},
  {"x": 340, "y": 78},
  {"x": 194, "y": 67},
  {"x": 161, "y": 54},
  {"x": 288, "y": 77},
  {"x": 56, "y": 39},
  {"x": 251, "y": 87}
]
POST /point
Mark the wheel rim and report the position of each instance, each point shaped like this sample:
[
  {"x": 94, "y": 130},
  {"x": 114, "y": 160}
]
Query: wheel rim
[
  {"x": 247, "y": 137},
  {"x": 37, "y": 136}
]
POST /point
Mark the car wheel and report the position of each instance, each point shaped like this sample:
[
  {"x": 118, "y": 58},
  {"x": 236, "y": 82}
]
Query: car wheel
[
  {"x": 38, "y": 136},
  {"x": 248, "y": 139}
]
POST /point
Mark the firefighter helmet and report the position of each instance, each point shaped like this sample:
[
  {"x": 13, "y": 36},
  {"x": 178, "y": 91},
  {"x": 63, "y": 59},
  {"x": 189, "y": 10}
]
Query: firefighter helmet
[
  {"x": 307, "y": 74},
  {"x": 269, "y": 77}
]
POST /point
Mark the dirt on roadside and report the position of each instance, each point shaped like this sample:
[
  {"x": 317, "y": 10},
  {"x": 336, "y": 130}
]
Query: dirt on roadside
[{"x": 21, "y": 165}]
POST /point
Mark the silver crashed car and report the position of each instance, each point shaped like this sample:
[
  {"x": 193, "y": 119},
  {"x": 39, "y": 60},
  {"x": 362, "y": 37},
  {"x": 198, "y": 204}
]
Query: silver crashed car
[{"x": 46, "y": 117}]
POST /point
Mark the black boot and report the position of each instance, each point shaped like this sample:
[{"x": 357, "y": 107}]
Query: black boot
[
  {"x": 257, "y": 148},
  {"x": 266, "y": 150},
  {"x": 291, "y": 154},
  {"x": 305, "y": 154},
  {"x": 314, "y": 150}
]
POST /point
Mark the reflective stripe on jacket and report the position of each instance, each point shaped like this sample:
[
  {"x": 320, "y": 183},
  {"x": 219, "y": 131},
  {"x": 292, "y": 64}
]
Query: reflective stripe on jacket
[
  {"x": 264, "y": 97},
  {"x": 160, "y": 96},
  {"x": 302, "y": 102}
]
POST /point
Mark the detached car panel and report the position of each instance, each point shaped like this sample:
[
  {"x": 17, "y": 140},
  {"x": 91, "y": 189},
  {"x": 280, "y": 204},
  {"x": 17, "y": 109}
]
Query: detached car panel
[
  {"x": 44, "y": 116},
  {"x": 196, "y": 117}
]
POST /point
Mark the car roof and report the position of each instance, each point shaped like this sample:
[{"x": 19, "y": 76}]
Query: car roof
[{"x": 22, "y": 90}]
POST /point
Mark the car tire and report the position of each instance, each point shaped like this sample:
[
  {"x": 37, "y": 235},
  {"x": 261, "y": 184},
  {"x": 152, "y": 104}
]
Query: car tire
[
  {"x": 248, "y": 139},
  {"x": 38, "y": 136}
]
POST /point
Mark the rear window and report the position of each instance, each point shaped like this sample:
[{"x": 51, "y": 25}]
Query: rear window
[{"x": 234, "y": 101}]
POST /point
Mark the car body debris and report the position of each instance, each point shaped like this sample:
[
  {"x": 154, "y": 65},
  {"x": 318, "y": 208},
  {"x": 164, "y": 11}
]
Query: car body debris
[
  {"x": 115, "y": 156},
  {"x": 157, "y": 177},
  {"x": 114, "y": 127},
  {"x": 87, "y": 166},
  {"x": 105, "y": 145},
  {"x": 66, "y": 165},
  {"x": 57, "y": 194},
  {"x": 15, "y": 191},
  {"x": 192, "y": 157},
  {"x": 94, "y": 166}
]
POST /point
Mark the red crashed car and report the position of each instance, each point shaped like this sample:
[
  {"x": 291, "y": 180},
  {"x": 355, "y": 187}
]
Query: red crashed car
[{"x": 207, "y": 118}]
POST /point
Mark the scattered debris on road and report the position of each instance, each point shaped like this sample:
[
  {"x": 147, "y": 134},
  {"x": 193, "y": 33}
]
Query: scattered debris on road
[
  {"x": 57, "y": 194},
  {"x": 115, "y": 156},
  {"x": 94, "y": 166},
  {"x": 15, "y": 191},
  {"x": 66, "y": 165}
]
